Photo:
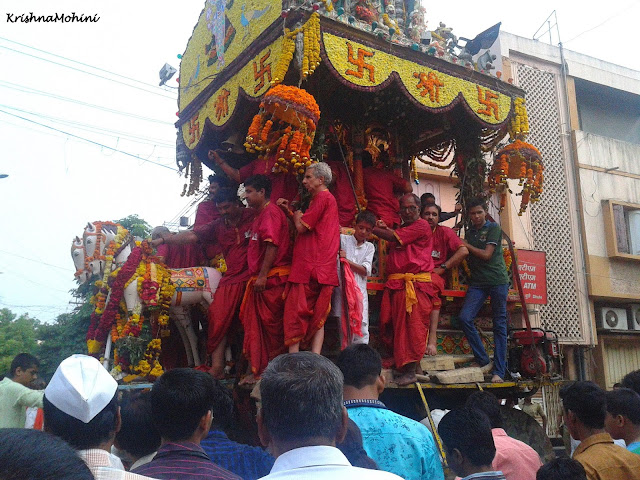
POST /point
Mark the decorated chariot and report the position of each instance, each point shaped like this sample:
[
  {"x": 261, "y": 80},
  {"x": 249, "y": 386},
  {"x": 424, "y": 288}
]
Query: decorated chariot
[
  {"x": 352, "y": 81},
  {"x": 348, "y": 81}
]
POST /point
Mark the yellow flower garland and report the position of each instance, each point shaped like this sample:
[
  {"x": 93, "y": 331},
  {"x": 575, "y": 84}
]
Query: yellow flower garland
[{"x": 311, "y": 49}]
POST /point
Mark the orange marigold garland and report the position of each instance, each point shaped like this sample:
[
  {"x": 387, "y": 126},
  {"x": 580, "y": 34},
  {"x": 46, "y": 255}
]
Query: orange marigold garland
[
  {"x": 522, "y": 161},
  {"x": 285, "y": 126}
]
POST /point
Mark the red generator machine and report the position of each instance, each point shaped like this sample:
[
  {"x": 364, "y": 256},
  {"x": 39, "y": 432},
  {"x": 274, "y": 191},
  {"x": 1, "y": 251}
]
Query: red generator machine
[{"x": 534, "y": 353}]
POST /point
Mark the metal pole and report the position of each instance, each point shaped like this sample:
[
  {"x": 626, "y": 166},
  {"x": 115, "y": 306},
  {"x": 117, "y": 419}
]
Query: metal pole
[{"x": 346, "y": 166}]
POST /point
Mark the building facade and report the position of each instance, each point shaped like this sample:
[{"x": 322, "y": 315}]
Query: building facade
[{"x": 585, "y": 119}]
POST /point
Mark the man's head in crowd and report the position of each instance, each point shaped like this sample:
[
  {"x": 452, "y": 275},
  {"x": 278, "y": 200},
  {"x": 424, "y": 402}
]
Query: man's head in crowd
[
  {"x": 160, "y": 232},
  {"x": 488, "y": 404},
  {"x": 301, "y": 397},
  {"x": 409, "y": 208},
  {"x": 584, "y": 408},
  {"x": 138, "y": 435},
  {"x": 468, "y": 442},
  {"x": 361, "y": 367},
  {"x": 477, "y": 210},
  {"x": 431, "y": 213},
  {"x": 632, "y": 380},
  {"x": 182, "y": 404},
  {"x": 257, "y": 190},
  {"x": 218, "y": 182},
  {"x": 222, "y": 407},
  {"x": 427, "y": 199},
  {"x": 81, "y": 404},
  {"x": 24, "y": 369},
  {"x": 27, "y": 454},
  {"x": 228, "y": 203},
  {"x": 365, "y": 221},
  {"x": 623, "y": 414},
  {"x": 562, "y": 469},
  {"x": 317, "y": 177}
]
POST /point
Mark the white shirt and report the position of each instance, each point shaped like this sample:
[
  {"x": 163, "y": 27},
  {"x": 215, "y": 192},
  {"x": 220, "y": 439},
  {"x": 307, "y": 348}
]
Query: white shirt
[
  {"x": 106, "y": 466},
  {"x": 321, "y": 462},
  {"x": 361, "y": 255}
]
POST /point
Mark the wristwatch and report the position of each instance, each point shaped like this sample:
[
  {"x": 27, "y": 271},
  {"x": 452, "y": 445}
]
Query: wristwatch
[{"x": 444, "y": 266}]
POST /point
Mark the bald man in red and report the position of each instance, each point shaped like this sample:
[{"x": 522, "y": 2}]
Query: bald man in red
[
  {"x": 412, "y": 289},
  {"x": 314, "y": 268},
  {"x": 269, "y": 262}
]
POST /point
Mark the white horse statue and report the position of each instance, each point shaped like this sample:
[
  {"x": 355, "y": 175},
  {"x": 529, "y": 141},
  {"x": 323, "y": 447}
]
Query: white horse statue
[{"x": 193, "y": 286}]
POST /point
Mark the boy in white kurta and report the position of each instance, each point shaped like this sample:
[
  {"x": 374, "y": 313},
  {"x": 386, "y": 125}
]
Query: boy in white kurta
[{"x": 359, "y": 254}]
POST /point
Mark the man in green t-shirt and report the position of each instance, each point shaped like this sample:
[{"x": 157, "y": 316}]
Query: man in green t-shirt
[
  {"x": 488, "y": 279},
  {"x": 15, "y": 395}
]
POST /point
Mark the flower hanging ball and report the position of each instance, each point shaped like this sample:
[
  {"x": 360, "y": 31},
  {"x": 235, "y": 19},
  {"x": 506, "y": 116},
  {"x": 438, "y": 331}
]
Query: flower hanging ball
[
  {"x": 285, "y": 126},
  {"x": 522, "y": 161}
]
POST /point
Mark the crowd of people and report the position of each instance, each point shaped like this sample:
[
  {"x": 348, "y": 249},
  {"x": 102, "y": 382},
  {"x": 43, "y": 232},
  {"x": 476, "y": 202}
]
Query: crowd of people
[
  {"x": 316, "y": 419},
  {"x": 289, "y": 270}
]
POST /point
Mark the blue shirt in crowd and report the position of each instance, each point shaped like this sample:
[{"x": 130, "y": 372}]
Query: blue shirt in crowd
[
  {"x": 248, "y": 462},
  {"x": 398, "y": 444}
]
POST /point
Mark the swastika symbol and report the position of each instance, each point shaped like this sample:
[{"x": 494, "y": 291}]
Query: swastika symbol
[
  {"x": 490, "y": 107},
  {"x": 194, "y": 129},
  {"x": 222, "y": 104},
  {"x": 360, "y": 63},
  {"x": 265, "y": 70},
  {"x": 429, "y": 84}
]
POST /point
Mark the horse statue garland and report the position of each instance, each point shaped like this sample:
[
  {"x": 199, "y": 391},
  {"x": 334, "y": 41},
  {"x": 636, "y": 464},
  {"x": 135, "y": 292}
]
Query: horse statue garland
[{"x": 132, "y": 284}]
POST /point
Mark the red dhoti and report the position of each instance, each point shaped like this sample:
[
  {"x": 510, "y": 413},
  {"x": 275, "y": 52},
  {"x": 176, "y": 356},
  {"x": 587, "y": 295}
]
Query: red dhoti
[
  {"x": 261, "y": 315},
  {"x": 405, "y": 315},
  {"x": 306, "y": 308},
  {"x": 223, "y": 311}
]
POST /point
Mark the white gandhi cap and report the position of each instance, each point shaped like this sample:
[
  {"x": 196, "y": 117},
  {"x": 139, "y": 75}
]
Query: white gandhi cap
[{"x": 81, "y": 387}]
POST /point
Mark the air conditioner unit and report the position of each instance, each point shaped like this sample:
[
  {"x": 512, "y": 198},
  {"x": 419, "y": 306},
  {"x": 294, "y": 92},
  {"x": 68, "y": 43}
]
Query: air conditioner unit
[
  {"x": 633, "y": 312},
  {"x": 610, "y": 318}
]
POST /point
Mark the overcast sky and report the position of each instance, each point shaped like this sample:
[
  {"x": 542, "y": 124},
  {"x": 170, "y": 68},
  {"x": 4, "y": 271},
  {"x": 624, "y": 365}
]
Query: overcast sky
[{"x": 58, "y": 182}]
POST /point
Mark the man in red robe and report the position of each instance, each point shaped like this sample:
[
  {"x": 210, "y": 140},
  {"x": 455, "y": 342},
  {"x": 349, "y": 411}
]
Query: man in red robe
[
  {"x": 232, "y": 233},
  {"x": 412, "y": 289},
  {"x": 382, "y": 187},
  {"x": 314, "y": 271},
  {"x": 343, "y": 192},
  {"x": 283, "y": 185},
  {"x": 269, "y": 261},
  {"x": 208, "y": 212},
  {"x": 448, "y": 252}
]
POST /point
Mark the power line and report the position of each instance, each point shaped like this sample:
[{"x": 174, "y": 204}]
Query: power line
[
  {"x": 88, "y": 73},
  {"x": 83, "y": 64},
  {"x": 94, "y": 128},
  {"x": 37, "y": 261},
  {"x": 90, "y": 141},
  {"x": 623, "y": 10},
  {"x": 34, "y": 91}
]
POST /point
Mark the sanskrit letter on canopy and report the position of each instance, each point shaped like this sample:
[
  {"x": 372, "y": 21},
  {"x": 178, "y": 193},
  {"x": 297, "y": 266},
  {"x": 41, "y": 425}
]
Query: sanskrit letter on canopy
[
  {"x": 222, "y": 104},
  {"x": 360, "y": 63},
  {"x": 429, "y": 84}
]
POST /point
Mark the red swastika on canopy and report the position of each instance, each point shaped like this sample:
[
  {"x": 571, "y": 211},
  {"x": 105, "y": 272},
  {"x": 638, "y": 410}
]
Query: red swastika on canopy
[
  {"x": 360, "y": 63},
  {"x": 194, "y": 129},
  {"x": 264, "y": 71},
  {"x": 490, "y": 107}
]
